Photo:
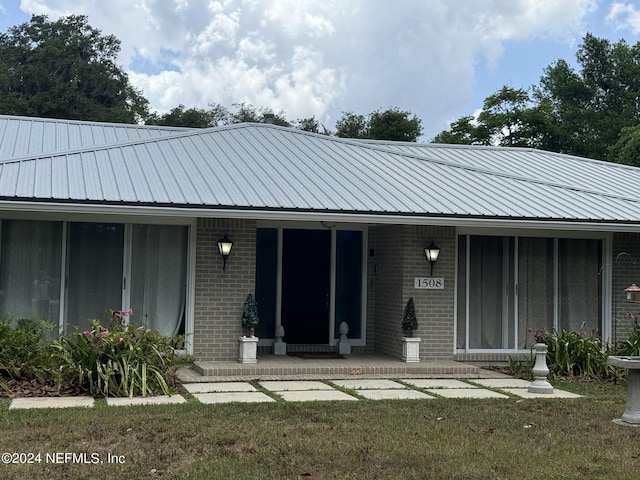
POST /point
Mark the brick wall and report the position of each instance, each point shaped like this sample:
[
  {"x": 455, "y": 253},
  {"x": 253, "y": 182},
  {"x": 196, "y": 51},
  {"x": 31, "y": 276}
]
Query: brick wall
[
  {"x": 434, "y": 308},
  {"x": 220, "y": 295},
  {"x": 399, "y": 258},
  {"x": 388, "y": 258}
]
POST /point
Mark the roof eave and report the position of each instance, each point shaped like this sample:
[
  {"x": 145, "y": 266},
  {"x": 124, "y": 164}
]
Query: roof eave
[{"x": 9, "y": 208}]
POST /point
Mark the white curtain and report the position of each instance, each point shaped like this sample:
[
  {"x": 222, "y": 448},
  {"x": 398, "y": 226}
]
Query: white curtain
[
  {"x": 158, "y": 277},
  {"x": 95, "y": 272},
  {"x": 580, "y": 300},
  {"x": 486, "y": 286},
  {"x": 535, "y": 287},
  {"x": 30, "y": 264}
]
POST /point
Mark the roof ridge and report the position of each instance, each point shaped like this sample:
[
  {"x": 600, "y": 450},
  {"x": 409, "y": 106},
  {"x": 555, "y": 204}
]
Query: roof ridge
[{"x": 90, "y": 122}]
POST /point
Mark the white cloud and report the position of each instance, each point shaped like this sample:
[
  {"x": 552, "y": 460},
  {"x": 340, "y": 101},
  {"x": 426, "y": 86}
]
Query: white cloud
[
  {"x": 624, "y": 16},
  {"x": 320, "y": 58}
]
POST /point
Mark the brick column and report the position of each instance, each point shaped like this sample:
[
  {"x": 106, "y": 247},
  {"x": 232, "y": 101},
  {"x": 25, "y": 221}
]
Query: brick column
[{"x": 220, "y": 295}]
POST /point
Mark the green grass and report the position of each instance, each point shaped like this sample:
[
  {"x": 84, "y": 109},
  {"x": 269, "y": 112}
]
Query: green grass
[{"x": 401, "y": 439}]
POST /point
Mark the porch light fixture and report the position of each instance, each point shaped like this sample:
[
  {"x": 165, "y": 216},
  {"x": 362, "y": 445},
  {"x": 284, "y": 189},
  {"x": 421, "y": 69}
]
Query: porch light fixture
[
  {"x": 224, "y": 247},
  {"x": 432, "y": 252}
]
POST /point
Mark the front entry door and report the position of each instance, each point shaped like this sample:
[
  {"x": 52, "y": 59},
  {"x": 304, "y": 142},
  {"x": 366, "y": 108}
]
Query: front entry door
[{"x": 306, "y": 272}]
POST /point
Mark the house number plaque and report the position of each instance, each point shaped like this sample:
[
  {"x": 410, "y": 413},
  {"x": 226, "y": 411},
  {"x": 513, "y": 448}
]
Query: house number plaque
[{"x": 429, "y": 283}]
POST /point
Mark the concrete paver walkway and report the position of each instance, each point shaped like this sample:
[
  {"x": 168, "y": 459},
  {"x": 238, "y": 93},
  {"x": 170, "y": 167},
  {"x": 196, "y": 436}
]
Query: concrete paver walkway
[{"x": 317, "y": 390}]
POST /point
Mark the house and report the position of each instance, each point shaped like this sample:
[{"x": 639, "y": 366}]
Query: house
[{"x": 324, "y": 231}]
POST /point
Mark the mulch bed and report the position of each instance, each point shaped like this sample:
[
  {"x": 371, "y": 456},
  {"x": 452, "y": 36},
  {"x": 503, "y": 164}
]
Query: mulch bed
[{"x": 37, "y": 388}]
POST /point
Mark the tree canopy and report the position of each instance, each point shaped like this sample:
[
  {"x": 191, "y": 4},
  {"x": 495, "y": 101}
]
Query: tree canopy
[
  {"x": 391, "y": 124},
  {"x": 65, "y": 69},
  {"x": 591, "y": 112}
]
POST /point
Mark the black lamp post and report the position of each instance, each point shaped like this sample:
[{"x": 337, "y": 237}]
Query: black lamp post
[
  {"x": 432, "y": 252},
  {"x": 224, "y": 247}
]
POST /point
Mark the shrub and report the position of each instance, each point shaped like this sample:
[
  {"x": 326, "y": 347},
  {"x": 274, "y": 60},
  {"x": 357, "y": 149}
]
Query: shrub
[
  {"x": 250, "y": 318},
  {"x": 409, "y": 319},
  {"x": 25, "y": 352},
  {"x": 129, "y": 362},
  {"x": 571, "y": 354}
]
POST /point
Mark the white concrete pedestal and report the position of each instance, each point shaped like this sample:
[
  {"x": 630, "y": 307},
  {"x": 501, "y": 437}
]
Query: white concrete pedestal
[
  {"x": 540, "y": 371},
  {"x": 411, "y": 349},
  {"x": 248, "y": 349},
  {"x": 344, "y": 347},
  {"x": 631, "y": 415},
  {"x": 279, "y": 348}
]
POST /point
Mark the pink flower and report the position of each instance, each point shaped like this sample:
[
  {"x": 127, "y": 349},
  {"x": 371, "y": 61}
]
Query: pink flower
[
  {"x": 120, "y": 339},
  {"x": 104, "y": 331},
  {"x": 140, "y": 328},
  {"x": 123, "y": 313},
  {"x": 88, "y": 333}
]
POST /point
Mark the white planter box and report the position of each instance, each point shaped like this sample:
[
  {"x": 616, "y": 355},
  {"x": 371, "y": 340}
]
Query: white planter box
[
  {"x": 411, "y": 349},
  {"x": 248, "y": 350}
]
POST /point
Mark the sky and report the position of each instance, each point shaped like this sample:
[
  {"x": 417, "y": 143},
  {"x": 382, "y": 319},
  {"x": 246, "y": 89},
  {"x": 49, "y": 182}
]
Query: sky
[{"x": 438, "y": 59}]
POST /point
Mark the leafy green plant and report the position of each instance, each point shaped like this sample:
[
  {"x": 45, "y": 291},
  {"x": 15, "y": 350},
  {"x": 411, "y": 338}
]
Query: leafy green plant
[
  {"x": 630, "y": 346},
  {"x": 130, "y": 362},
  {"x": 521, "y": 368},
  {"x": 24, "y": 349},
  {"x": 575, "y": 354},
  {"x": 409, "y": 320}
]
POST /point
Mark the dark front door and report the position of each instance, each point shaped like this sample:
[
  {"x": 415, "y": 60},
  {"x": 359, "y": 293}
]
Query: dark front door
[{"x": 306, "y": 267}]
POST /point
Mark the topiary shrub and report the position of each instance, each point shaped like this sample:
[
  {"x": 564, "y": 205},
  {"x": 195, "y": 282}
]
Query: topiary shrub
[{"x": 409, "y": 320}]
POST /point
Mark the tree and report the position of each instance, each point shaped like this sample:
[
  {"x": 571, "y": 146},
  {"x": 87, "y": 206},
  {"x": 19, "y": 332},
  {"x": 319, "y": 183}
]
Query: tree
[
  {"x": 577, "y": 112},
  {"x": 311, "y": 124},
  {"x": 463, "y": 131},
  {"x": 395, "y": 125},
  {"x": 593, "y": 105},
  {"x": 627, "y": 149},
  {"x": 248, "y": 113},
  {"x": 65, "y": 69},
  {"x": 503, "y": 119},
  {"x": 351, "y": 125},
  {"x": 391, "y": 124},
  {"x": 191, "y": 117}
]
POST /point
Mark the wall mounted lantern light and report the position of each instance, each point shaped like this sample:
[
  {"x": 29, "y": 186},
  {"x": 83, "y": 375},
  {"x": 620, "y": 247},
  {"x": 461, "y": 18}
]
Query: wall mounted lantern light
[
  {"x": 224, "y": 247},
  {"x": 432, "y": 252}
]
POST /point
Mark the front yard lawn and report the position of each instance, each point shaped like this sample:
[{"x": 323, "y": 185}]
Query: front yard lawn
[{"x": 401, "y": 439}]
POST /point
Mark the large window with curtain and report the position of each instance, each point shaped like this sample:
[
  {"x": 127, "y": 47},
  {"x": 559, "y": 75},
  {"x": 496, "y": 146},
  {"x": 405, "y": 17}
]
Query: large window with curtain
[
  {"x": 69, "y": 273},
  {"x": 508, "y": 286},
  {"x": 159, "y": 277},
  {"x": 30, "y": 269}
]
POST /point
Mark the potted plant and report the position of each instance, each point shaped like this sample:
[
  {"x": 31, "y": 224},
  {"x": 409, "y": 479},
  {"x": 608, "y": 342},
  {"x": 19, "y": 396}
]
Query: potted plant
[
  {"x": 410, "y": 344},
  {"x": 250, "y": 315},
  {"x": 249, "y": 344}
]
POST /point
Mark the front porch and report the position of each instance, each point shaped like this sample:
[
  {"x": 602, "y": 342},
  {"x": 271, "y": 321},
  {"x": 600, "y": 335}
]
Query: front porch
[{"x": 366, "y": 365}]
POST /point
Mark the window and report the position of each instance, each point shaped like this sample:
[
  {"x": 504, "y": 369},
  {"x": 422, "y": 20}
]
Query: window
[
  {"x": 40, "y": 272},
  {"x": 31, "y": 266},
  {"x": 509, "y": 285}
]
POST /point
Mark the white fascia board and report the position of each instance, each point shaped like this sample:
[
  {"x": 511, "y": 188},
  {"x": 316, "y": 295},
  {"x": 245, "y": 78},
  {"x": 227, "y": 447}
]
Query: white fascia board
[{"x": 183, "y": 215}]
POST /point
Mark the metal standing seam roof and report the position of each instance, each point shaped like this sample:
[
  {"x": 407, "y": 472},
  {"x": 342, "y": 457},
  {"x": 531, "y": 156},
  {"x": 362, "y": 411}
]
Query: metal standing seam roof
[{"x": 265, "y": 167}]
